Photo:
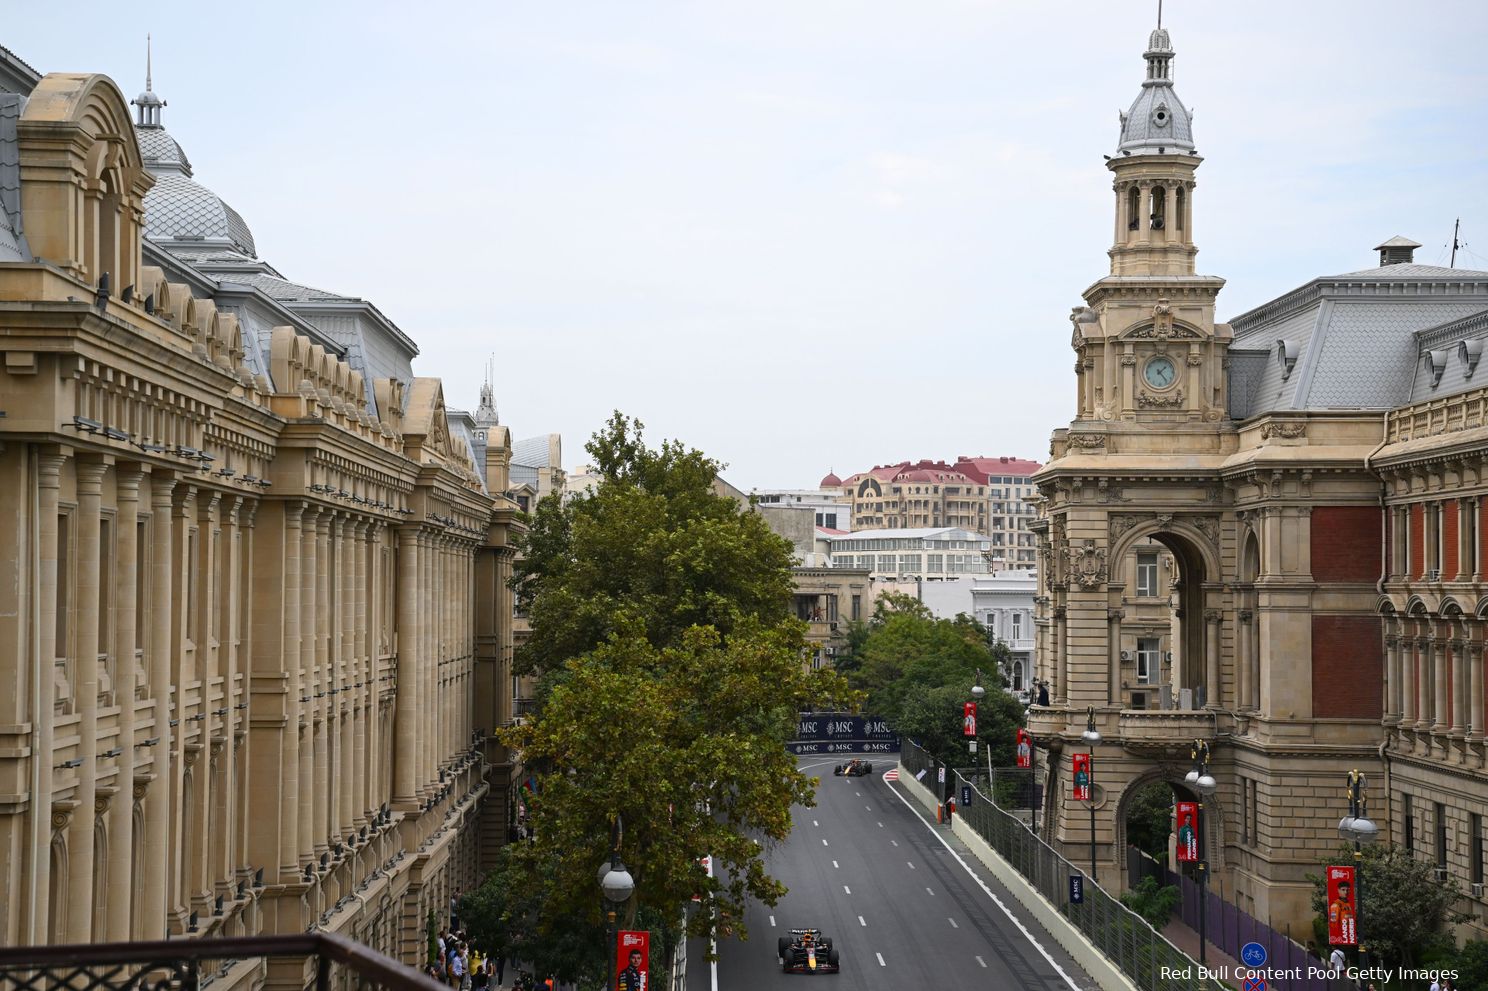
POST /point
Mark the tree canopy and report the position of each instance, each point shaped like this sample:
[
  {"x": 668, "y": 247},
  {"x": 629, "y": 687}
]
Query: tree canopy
[
  {"x": 674, "y": 673},
  {"x": 1403, "y": 908}
]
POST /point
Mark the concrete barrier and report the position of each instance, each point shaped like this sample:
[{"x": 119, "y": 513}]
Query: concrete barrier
[{"x": 1095, "y": 963}]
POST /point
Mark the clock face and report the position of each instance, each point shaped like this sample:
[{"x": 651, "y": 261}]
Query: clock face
[{"x": 1160, "y": 372}]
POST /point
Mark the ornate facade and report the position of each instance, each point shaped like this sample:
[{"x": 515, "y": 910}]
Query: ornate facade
[
  {"x": 1308, "y": 630},
  {"x": 253, "y": 615}
]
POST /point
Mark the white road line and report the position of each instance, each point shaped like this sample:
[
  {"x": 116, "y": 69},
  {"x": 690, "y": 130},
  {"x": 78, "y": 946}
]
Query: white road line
[
  {"x": 895, "y": 842},
  {"x": 880, "y": 825},
  {"x": 868, "y": 807},
  {"x": 834, "y": 864},
  {"x": 772, "y": 922},
  {"x": 825, "y": 843},
  {"x": 815, "y": 823},
  {"x": 931, "y": 891},
  {"x": 861, "y": 922},
  {"x": 990, "y": 894},
  {"x": 846, "y": 890},
  {"x": 981, "y": 961},
  {"x": 880, "y": 960},
  {"x": 911, "y": 864},
  {"x": 953, "y": 923},
  {"x": 858, "y": 793}
]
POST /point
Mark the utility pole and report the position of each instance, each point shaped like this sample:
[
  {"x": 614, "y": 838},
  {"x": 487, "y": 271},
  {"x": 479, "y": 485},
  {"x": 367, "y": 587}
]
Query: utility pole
[{"x": 1456, "y": 225}]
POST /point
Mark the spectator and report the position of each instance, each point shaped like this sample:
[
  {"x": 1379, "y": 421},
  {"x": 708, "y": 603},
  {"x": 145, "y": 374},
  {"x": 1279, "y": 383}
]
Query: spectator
[
  {"x": 1336, "y": 961},
  {"x": 1043, "y": 693}
]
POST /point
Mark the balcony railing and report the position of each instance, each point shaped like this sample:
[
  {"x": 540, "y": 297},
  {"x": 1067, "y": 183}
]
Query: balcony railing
[
  {"x": 331, "y": 961},
  {"x": 1164, "y": 729}
]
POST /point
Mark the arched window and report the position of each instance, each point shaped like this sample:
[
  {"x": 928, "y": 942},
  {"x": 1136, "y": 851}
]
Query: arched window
[
  {"x": 1159, "y": 207},
  {"x": 57, "y": 898},
  {"x": 1017, "y": 676},
  {"x": 1133, "y": 207},
  {"x": 1180, "y": 206}
]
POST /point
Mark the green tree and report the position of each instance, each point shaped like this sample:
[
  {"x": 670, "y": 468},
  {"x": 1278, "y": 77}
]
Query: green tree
[
  {"x": 1149, "y": 819},
  {"x": 672, "y": 673},
  {"x": 1403, "y": 910},
  {"x": 1153, "y": 902}
]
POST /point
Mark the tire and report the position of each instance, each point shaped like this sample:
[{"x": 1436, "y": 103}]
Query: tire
[
  {"x": 867, "y": 768},
  {"x": 837, "y": 770},
  {"x": 832, "y": 958},
  {"x": 783, "y": 947},
  {"x": 826, "y": 944}
]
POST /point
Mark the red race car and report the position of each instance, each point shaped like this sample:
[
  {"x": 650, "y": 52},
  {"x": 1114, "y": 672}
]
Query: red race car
[{"x": 806, "y": 951}]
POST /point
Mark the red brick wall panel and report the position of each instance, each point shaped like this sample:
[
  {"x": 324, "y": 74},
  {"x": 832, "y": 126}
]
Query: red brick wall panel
[
  {"x": 1348, "y": 665},
  {"x": 1346, "y": 544},
  {"x": 1449, "y": 539},
  {"x": 1417, "y": 541}
]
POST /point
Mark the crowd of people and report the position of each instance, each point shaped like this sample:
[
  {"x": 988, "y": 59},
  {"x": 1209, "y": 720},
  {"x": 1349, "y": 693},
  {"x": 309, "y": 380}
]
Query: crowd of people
[{"x": 461, "y": 965}]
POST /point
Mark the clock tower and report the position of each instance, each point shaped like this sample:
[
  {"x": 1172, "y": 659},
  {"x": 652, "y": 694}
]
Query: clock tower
[{"x": 1149, "y": 351}]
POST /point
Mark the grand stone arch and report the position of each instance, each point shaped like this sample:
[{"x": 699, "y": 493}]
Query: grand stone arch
[{"x": 1212, "y": 822}]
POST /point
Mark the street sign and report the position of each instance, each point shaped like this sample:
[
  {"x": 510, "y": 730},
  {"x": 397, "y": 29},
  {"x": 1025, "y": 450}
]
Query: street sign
[
  {"x": 940, "y": 775},
  {"x": 1255, "y": 984},
  {"x": 966, "y": 796},
  {"x": 1253, "y": 955},
  {"x": 1077, "y": 889}
]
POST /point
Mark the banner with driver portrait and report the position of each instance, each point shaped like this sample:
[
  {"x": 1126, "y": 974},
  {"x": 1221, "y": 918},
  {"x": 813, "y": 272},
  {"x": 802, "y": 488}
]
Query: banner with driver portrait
[
  {"x": 1081, "y": 765},
  {"x": 633, "y": 958},
  {"x": 1342, "y": 907},
  {"x": 1187, "y": 814}
]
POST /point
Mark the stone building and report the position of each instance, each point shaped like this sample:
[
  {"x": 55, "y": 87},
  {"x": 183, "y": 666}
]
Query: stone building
[
  {"x": 251, "y": 581},
  {"x": 1313, "y": 469}
]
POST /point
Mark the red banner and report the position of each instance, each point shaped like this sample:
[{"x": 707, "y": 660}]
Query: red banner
[
  {"x": 1025, "y": 749},
  {"x": 1342, "y": 907},
  {"x": 1188, "y": 832},
  {"x": 1081, "y": 764},
  {"x": 633, "y": 958},
  {"x": 968, "y": 722}
]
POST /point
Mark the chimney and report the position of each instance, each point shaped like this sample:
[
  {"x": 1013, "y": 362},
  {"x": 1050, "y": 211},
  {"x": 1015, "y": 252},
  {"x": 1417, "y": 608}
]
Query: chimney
[{"x": 1397, "y": 251}]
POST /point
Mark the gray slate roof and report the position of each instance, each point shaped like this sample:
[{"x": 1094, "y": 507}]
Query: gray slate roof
[
  {"x": 13, "y": 247},
  {"x": 180, "y": 207},
  {"x": 1356, "y": 339}
]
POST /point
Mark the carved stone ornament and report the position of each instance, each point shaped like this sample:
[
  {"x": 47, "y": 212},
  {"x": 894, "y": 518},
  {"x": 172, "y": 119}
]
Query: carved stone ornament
[
  {"x": 1289, "y": 431},
  {"x": 1195, "y": 359},
  {"x": 1128, "y": 360},
  {"x": 1120, "y": 525},
  {"x": 1209, "y": 526},
  {"x": 1087, "y": 564},
  {"x": 1160, "y": 402},
  {"x": 1087, "y": 441}
]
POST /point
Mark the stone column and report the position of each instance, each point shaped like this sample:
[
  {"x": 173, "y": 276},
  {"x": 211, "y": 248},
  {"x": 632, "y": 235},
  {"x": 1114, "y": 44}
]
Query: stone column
[
  {"x": 309, "y": 847},
  {"x": 1439, "y": 675},
  {"x": 1411, "y": 682},
  {"x": 156, "y": 805},
  {"x": 121, "y": 820},
  {"x": 1061, "y": 655},
  {"x": 1392, "y": 674},
  {"x": 289, "y": 771},
  {"x": 1213, "y": 688},
  {"x": 362, "y": 678},
  {"x": 80, "y": 868},
  {"x": 1459, "y": 689},
  {"x": 38, "y": 881},
  {"x": 325, "y": 797},
  {"x": 346, "y": 696},
  {"x": 1475, "y": 685},
  {"x": 405, "y": 715},
  {"x": 1242, "y": 661}
]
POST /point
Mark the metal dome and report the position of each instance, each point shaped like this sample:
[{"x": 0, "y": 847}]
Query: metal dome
[{"x": 180, "y": 208}]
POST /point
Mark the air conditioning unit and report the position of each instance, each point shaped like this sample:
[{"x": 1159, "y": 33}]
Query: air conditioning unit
[
  {"x": 1126, "y": 655},
  {"x": 1441, "y": 875},
  {"x": 1477, "y": 891},
  {"x": 831, "y": 651},
  {"x": 834, "y": 627},
  {"x": 1434, "y": 575}
]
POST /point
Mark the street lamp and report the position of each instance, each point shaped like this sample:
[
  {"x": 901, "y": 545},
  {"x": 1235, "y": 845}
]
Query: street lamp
[
  {"x": 1092, "y": 737},
  {"x": 617, "y": 885},
  {"x": 1359, "y": 828},
  {"x": 1204, "y": 785}
]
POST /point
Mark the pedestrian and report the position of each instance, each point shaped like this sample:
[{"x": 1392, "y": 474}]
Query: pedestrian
[
  {"x": 456, "y": 967},
  {"x": 455, "y": 909},
  {"x": 1336, "y": 961},
  {"x": 1436, "y": 984},
  {"x": 1043, "y": 695},
  {"x": 465, "y": 967}
]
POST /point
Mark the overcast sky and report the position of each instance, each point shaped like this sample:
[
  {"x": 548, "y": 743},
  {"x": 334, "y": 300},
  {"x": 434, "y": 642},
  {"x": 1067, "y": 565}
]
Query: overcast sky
[{"x": 798, "y": 234}]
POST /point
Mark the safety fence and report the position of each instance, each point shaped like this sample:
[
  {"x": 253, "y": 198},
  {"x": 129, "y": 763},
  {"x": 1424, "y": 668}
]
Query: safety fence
[{"x": 1143, "y": 954}]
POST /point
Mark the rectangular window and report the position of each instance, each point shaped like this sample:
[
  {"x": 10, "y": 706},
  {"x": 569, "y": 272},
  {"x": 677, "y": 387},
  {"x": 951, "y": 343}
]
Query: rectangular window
[
  {"x": 1245, "y": 811},
  {"x": 830, "y": 520},
  {"x": 1408, "y": 824},
  {"x": 1441, "y": 836},
  {"x": 1146, "y": 575},
  {"x": 1149, "y": 660},
  {"x": 909, "y": 564},
  {"x": 64, "y": 585},
  {"x": 831, "y": 609},
  {"x": 1017, "y": 626},
  {"x": 935, "y": 563},
  {"x": 857, "y": 607},
  {"x": 886, "y": 564},
  {"x": 1475, "y": 822}
]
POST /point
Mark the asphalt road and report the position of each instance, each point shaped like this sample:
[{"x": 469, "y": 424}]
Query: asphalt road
[{"x": 904, "y": 912}]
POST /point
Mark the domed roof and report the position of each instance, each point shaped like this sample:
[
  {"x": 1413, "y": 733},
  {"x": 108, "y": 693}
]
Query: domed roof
[
  {"x": 180, "y": 207},
  {"x": 161, "y": 151},
  {"x": 830, "y": 482},
  {"x": 1158, "y": 123}
]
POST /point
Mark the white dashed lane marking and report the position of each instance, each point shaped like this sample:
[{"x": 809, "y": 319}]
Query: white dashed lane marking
[
  {"x": 981, "y": 961},
  {"x": 953, "y": 923},
  {"x": 931, "y": 892},
  {"x": 909, "y": 862},
  {"x": 880, "y": 825},
  {"x": 880, "y": 960},
  {"x": 824, "y": 843},
  {"x": 772, "y": 922},
  {"x": 895, "y": 842},
  {"x": 815, "y": 823},
  {"x": 861, "y": 922},
  {"x": 834, "y": 864},
  {"x": 846, "y": 890}
]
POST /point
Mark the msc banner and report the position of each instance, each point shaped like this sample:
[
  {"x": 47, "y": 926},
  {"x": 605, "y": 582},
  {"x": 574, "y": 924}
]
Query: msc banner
[
  {"x": 1341, "y": 907},
  {"x": 842, "y": 733}
]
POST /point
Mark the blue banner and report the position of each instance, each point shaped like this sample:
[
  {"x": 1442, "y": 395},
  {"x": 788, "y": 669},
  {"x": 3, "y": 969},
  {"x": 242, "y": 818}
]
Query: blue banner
[{"x": 843, "y": 733}]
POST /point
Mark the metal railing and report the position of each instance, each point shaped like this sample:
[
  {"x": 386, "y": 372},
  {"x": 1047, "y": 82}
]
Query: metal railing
[
  {"x": 1143, "y": 954},
  {"x": 191, "y": 964}
]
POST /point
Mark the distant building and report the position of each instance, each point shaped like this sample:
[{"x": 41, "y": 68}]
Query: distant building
[
  {"x": 828, "y": 506},
  {"x": 928, "y": 553},
  {"x": 987, "y": 495},
  {"x": 1004, "y": 604}
]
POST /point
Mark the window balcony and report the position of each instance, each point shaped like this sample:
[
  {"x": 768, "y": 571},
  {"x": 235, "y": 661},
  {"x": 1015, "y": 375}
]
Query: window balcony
[
  {"x": 1164, "y": 732},
  {"x": 324, "y": 961}
]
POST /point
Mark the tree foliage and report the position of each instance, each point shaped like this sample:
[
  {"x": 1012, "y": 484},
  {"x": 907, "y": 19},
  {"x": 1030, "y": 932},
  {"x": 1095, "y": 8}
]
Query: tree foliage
[
  {"x": 917, "y": 672},
  {"x": 1149, "y": 819},
  {"x": 1152, "y": 901},
  {"x": 1403, "y": 908},
  {"x": 673, "y": 675}
]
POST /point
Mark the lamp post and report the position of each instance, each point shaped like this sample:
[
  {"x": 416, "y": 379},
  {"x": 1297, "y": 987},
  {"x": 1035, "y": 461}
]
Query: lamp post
[
  {"x": 617, "y": 885},
  {"x": 1204, "y": 785},
  {"x": 1358, "y": 827},
  {"x": 1092, "y": 737}
]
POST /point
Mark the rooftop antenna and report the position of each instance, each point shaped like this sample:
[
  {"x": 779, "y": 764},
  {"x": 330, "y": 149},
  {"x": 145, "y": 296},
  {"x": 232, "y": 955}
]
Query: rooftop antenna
[
  {"x": 1456, "y": 225},
  {"x": 1159, "y": 14}
]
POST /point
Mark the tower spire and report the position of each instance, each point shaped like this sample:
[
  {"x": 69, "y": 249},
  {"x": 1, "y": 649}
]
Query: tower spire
[
  {"x": 149, "y": 55},
  {"x": 148, "y": 103}
]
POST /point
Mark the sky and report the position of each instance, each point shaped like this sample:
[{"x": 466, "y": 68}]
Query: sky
[{"x": 800, "y": 235}]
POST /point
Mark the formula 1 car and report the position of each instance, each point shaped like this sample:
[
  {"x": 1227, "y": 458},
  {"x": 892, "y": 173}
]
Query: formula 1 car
[
  {"x": 806, "y": 951},
  {"x": 853, "y": 769}
]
